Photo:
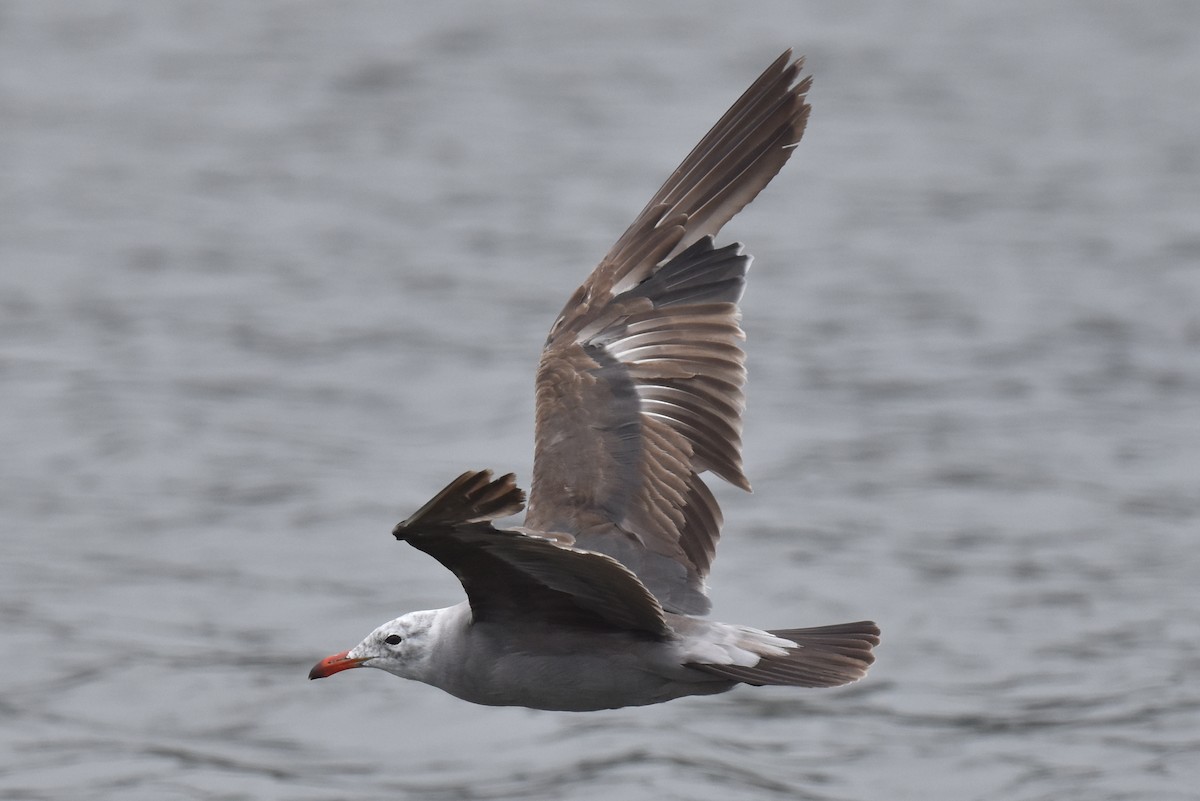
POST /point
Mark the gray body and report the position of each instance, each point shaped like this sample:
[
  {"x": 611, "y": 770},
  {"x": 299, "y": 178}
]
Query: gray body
[{"x": 556, "y": 667}]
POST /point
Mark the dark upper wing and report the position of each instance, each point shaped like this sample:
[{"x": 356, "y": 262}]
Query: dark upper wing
[
  {"x": 509, "y": 575},
  {"x": 639, "y": 389}
]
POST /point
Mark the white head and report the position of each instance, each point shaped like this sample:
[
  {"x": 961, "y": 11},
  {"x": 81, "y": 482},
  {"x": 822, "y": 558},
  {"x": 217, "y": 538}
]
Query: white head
[{"x": 401, "y": 646}]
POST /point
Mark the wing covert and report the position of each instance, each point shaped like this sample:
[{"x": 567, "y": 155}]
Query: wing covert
[{"x": 508, "y": 573}]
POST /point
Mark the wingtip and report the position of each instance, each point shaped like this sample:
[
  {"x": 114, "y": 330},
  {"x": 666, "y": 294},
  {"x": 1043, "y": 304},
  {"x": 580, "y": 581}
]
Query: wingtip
[{"x": 473, "y": 497}]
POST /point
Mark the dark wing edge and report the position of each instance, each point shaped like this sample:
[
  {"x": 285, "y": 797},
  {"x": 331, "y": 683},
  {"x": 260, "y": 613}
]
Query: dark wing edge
[
  {"x": 471, "y": 498},
  {"x": 825, "y": 656},
  {"x": 640, "y": 386},
  {"x": 508, "y": 574}
]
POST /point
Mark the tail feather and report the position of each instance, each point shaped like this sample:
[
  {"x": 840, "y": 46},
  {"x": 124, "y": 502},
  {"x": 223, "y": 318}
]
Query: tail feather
[{"x": 825, "y": 656}]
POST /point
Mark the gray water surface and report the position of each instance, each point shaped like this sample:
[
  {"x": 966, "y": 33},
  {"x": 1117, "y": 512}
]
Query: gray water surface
[{"x": 271, "y": 274}]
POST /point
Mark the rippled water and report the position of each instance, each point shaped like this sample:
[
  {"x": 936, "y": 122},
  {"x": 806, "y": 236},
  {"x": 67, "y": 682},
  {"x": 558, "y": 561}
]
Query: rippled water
[{"x": 270, "y": 274}]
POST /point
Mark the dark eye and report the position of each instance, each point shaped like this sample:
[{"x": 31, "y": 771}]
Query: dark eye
[{"x": 392, "y": 639}]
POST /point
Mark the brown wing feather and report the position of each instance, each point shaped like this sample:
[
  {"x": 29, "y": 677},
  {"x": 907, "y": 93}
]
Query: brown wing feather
[
  {"x": 471, "y": 498},
  {"x": 639, "y": 389},
  {"x": 724, "y": 172},
  {"x": 509, "y": 574}
]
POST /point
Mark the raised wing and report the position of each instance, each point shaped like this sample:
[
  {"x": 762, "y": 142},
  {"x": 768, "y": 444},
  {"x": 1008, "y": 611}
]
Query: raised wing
[
  {"x": 509, "y": 574},
  {"x": 639, "y": 389}
]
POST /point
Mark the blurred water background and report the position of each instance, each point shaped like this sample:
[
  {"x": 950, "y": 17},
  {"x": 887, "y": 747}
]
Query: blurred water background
[{"x": 272, "y": 273}]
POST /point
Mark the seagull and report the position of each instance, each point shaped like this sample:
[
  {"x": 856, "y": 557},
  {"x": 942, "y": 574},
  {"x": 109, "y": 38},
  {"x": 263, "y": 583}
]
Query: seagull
[{"x": 596, "y": 601}]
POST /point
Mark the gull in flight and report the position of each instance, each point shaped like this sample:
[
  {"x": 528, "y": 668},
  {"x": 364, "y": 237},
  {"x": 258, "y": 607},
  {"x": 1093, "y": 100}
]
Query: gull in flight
[{"x": 596, "y": 601}]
